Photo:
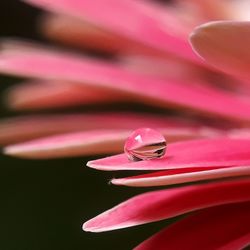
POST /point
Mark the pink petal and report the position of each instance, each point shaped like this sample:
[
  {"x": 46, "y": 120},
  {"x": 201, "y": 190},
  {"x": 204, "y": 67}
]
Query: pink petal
[
  {"x": 145, "y": 89},
  {"x": 187, "y": 154},
  {"x": 185, "y": 175},
  {"x": 224, "y": 45},
  {"x": 90, "y": 143},
  {"x": 224, "y": 227},
  {"x": 75, "y": 144},
  {"x": 164, "y": 204},
  {"x": 147, "y": 23},
  {"x": 205, "y": 10},
  {"x": 167, "y": 68},
  {"x": 80, "y": 33},
  {"x": 49, "y": 94},
  {"x": 19, "y": 129}
]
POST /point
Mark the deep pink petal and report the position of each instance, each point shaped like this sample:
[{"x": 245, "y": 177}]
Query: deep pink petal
[
  {"x": 164, "y": 204},
  {"x": 224, "y": 227},
  {"x": 147, "y": 23},
  {"x": 186, "y": 175},
  {"x": 42, "y": 63},
  {"x": 91, "y": 142},
  {"x": 13, "y": 130},
  {"x": 188, "y": 154},
  {"x": 224, "y": 44}
]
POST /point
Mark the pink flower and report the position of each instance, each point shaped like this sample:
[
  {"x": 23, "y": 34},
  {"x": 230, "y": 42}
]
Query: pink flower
[{"x": 152, "y": 64}]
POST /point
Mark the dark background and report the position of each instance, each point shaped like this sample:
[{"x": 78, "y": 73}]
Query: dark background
[{"x": 44, "y": 203}]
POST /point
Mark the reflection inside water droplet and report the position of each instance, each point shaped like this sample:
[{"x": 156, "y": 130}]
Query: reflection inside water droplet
[{"x": 145, "y": 144}]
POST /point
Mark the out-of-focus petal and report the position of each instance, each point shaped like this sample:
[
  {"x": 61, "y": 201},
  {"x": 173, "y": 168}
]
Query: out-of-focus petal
[
  {"x": 146, "y": 23},
  {"x": 187, "y": 154},
  {"x": 205, "y": 10},
  {"x": 224, "y": 44},
  {"x": 91, "y": 142},
  {"x": 184, "y": 176},
  {"x": 49, "y": 94},
  {"x": 168, "y": 68},
  {"x": 41, "y": 63},
  {"x": 224, "y": 227},
  {"x": 75, "y": 144},
  {"x": 13, "y": 130},
  {"x": 82, "y": 34},
  {"x": 164, "y": 204}
]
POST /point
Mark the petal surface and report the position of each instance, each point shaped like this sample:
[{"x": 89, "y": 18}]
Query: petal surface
[
  {"x": 224, "y": 44},
  {"x": 91, "y": 142},
  {"x": 164, "y": 204},
  {"x": 13, "y": 130},
  {"x": 48, "y": 94},
  {"x": 82, "y": 34},
  {"x": 224, "y": 227},
  {"x": 215, "y": 152},
  {"x": 17, "y": 59},
  {"x": 184, "y": 176},
  {"x": 147, "y": 23}
]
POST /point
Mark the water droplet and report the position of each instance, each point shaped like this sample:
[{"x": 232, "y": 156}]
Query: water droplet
[{"x": 145, "y": 144}]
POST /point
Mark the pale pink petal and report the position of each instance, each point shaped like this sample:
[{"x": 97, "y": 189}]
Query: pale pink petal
[
  {"x": 145, "y": 89},
  {"x": 164, "y": 204},
  {"x": 146, "y": 23},
  {"x": 186, "y": 175},
  {"x": 50, "y": 94},
  {"x": 224, "y": 44},
  {"x": 187, "y": 154},
  {"x": 201, "y": 11},
  {"x": 224, "y": 227},
  {"x": 91, "y": 142},
  {"x": 167, "y": 68},
  {"x": 74, "y": 144},
  {"x": 13, "y": 130}
]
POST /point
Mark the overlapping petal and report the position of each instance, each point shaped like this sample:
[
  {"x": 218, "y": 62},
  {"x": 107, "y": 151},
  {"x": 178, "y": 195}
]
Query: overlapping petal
[
  {"x": 223, "y": 227},
  {"x": 224, "y": 44},
  {"x": 215, "y": 152},
  {"x": 92, "y": 142},
  {"x": 146, "y": 24},
  {"x": 23, "y": 128},
  {"x": 164, "y": 204},
  {"x": 35, "y": 95},
  {"x": 177, "y": 176},
  {"x": 63, "y": 66}
]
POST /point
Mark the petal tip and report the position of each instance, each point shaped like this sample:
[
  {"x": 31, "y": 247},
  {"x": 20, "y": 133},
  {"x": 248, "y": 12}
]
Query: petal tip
[{"x": 86, "y": 227}]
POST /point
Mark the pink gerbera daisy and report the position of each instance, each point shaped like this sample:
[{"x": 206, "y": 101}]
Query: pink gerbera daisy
[{"x": 149, "y": 60}]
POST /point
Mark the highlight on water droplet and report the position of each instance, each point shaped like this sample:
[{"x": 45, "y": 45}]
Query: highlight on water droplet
[{"x": 145, "y": 144}]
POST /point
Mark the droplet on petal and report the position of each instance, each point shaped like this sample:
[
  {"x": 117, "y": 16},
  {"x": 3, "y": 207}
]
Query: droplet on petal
[{"x": 145, "y": 144}]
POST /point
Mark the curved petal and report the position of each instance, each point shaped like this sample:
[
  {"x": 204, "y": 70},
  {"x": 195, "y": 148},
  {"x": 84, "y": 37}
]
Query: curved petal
[
  {"x": 225, "y": 45},
  {"x": 13, "y": 130},
  {"x": 164, "y": 204},
  {"x": 188, "y": 154},
  {"x": 224, "y": 227},
  {"x": 46, "y": 64},
  {"x": 186, "y": 175},
  {"x": 89, "y": 143}
]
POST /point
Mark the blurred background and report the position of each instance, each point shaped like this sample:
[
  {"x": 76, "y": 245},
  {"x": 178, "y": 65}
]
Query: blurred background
[{"x": 44, "y": 203}]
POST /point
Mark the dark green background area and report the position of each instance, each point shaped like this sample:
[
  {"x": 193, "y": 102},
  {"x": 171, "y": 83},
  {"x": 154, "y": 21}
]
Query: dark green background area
[{"x": 44, "y": 203}]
